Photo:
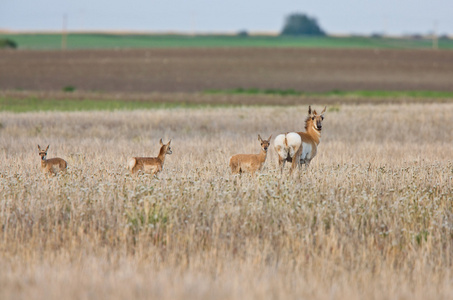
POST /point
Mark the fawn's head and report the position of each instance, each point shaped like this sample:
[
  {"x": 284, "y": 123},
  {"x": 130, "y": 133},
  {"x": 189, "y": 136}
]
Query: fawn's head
[
  {"x": 165, "y": 148},
  {"x": 42, "y": 152},
  {"x": 315, "y": 119},
  {"x": 264, "y": 143}
]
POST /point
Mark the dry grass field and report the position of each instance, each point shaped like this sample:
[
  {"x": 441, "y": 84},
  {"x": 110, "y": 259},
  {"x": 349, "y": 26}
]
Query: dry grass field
[{"x": 371, "y": 219}]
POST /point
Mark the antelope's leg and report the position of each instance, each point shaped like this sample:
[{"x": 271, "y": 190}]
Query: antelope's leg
[
  {"x": 296, "y": 160},
  {"x": 281, "y": 164}
]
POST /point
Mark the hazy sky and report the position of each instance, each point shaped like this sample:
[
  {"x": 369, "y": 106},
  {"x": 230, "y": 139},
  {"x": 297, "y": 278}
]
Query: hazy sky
[{"x": 337, "y": 17}]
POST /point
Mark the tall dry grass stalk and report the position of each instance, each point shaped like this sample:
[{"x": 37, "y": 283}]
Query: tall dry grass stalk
[{"x": 371, "y": 219}]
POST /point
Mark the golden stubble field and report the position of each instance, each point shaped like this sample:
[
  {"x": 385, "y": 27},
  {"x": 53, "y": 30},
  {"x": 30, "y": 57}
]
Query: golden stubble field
[{"x": 371, "y": 219}]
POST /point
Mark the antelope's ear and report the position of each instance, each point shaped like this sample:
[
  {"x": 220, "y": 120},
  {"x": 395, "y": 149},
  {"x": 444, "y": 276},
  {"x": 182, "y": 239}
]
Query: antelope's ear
[
  {"x": 259, "y": 138},
  {"x": 39, "y": 148},
  {"x": 269, "y": 139},
  {"x": 323, "y": 111},
  {"x": 315, "y": 113},
  {"x": 309, "y": 110},
  {"x": 47, "y": 147},
  {"x": 169, "y": 142},
  {"x": 160, "y": 142}
]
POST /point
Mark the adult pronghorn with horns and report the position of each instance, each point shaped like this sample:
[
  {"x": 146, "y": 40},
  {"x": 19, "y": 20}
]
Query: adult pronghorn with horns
[{"x": 300, "y": 147}]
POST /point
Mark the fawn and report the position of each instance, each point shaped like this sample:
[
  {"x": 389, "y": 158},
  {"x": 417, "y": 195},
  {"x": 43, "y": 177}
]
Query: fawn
[
  {"x": 52, "y": 165},
  {"x": 250, "y": 162},
  {"x": 151, "y": 165}
]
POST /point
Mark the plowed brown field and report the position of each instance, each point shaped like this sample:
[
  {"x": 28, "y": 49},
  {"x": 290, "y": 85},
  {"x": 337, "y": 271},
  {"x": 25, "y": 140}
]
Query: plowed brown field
[{"x": 192, "y": 70}]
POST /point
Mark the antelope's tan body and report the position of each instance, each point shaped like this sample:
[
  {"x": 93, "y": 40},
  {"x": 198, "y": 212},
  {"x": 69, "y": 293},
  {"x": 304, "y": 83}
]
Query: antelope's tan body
[
  {"x": 53, "y": 165},
  {"x": 151, "y": 165},
  {"x": 250, "y": 163}
]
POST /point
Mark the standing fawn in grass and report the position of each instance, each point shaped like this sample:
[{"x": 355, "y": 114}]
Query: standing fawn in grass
[
  {"x": 300, "y": 147},
  {"x": 52, "y": 165},
  {"x": 151, "y": 165},
  {"x": 250, "y": 162}
]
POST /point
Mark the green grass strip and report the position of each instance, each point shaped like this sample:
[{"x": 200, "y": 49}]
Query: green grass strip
[
  {"x": 112, "y": 41},
  {"x": 336, "y": 93},
  {"x": 30, "y": 104},
  {"x": 35, "y": 104}
]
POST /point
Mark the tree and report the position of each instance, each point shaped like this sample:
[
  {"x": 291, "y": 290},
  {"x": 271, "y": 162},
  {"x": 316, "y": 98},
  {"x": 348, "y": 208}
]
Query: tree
[
  {"x": 301, "y": 24},
  {"x": 243, "y": 33},
  {"x": 7, "y": 43}
]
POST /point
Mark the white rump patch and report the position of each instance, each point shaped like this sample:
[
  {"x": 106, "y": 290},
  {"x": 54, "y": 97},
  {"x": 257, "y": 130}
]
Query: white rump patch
[
  {"x": 280, "y": 146},
  {"x": 131, "y": 163},
  {"x": 287, "y": 144},
  {"x": 294, "y": 142}
]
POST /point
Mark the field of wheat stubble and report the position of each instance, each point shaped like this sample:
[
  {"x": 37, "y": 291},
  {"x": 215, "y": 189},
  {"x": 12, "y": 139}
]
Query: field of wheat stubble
[{"x": 371, "y": 218}]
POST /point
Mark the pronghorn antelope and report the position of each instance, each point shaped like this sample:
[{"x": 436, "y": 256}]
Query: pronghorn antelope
[
  {"x": 52, "y": 165},
  {"x": 151, "y": 165},
  {"x": 300, "y": 147},
  {"x": 250, "y": 162}
]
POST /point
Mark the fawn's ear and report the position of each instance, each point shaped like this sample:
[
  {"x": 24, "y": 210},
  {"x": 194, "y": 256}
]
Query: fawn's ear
[
  {"x": 309, "y": 110},
  {"x": 169, "y": 142},
  {"x": 323, "y": 111},
  {"x": 259, "y": 138},
  {"x": 47, "y": 148},
  {"x": 160, "y": 142},
  {"x": 39, "y": 148},
  {"x": 269, "y": 139}
]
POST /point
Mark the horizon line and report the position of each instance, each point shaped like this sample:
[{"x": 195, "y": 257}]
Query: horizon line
[{"x": 198, "y": 33}]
